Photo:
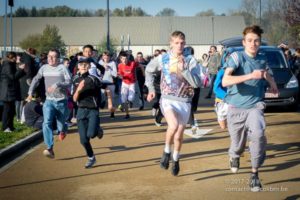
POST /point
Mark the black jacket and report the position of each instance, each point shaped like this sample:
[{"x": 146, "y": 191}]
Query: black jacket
[
  {"x": 9, "y": 78},
  {"x": 30, "y": 73},
  {"x": 90, "y": 95},
  {"x": 33, "y": 112}
]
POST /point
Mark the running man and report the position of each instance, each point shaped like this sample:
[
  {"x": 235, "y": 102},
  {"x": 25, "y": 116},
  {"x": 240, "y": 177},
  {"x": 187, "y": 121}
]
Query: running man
[
  {"x": 86, "y": 94},
  {"x": 244, "y": 76},
  {"x": 57, "y": 81},
  {"x": 179, "y": 75}
]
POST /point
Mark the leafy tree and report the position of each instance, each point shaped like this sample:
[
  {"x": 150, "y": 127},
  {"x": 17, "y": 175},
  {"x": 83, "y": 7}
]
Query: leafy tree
[
  {"x": 103, "y": 45},
  {"x": 127, "y": 11},
  {"x": 117, "y": 12},
  {"x": 138, "y": 12},
  {"x": 33, "y": 12},
  {"x": 44, "y": 42},
  {"x": 65, "y": 11},
  {"x": 31, "y": 41},
  {"x": 209, "y": 12},
  {"x": 21, "y": 12},
  {"x": 166, "y": 12},
  {"x": 43, "y": 12},
  {"x": 51, "y": 39},
  {"x": 100, "y": 12}
]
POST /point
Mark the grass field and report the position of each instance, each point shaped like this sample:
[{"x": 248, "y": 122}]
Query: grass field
[{"x": 20, "y": 132}]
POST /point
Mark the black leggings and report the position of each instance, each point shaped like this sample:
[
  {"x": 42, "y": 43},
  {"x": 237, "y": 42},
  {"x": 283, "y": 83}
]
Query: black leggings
[{"x": 8, "y": 115}]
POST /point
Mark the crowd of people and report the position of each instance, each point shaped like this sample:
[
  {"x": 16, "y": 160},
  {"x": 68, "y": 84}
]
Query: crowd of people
[{"x": 51, "y": 93}]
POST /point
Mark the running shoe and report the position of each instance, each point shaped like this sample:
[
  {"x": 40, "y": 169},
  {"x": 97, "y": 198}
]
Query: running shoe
[
  {"x": 8, "y": 130},
  {"x": 157, "y": 123},
  {"x": 127, "y": 116},
  {"x": 49, "y": 153},
  {"x": 165, "y": 159},
  {"x": 62, "y": 136},
  {"x": 234, "y": 164},
  {"x": 175, "y": 168},
  {"x": 100, "y": 133},
  {"x": 254, "y": 183},
  {"x": 112, "y": 115},
  {"x": 90, "y": 162}
]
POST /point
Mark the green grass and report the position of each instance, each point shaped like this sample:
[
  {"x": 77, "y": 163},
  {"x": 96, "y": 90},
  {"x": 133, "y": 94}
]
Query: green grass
[{"x": 9, "y": 138}]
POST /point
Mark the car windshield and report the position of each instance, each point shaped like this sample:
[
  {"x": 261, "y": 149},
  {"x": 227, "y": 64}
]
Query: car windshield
[{"x": 275, "y": 59}]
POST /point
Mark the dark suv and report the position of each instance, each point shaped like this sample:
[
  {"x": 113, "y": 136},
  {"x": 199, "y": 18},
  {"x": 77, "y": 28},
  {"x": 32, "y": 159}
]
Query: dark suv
[{"x": 286, "y": 81}]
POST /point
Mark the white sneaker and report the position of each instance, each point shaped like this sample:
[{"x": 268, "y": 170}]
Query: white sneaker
[
  {"x": 194, "y": 129},
  {"x": 153, "y": 111},
  {"x": 73, "y": 120},
  {"x": 7, "y": 130},
  {"x": 49, "y": 153},
  {"x": 196, "y": 123},
  {"x": 158, "y": 124}
]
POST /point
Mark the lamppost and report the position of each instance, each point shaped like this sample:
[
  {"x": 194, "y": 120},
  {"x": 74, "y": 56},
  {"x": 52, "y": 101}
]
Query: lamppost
[
  {"x": 260, "y": 12},
  {"x": 107, "y": 25},
  {"x": 213, "y": 30},
  {"x": 11, "y": 4},
  {"x": 4, "y": 30}
]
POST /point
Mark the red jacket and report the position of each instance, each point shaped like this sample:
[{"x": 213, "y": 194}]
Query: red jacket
[{"x": 128, "y": 72}]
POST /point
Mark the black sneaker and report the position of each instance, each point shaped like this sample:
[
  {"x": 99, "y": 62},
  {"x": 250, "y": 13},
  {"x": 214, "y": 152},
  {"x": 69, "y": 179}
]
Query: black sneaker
[
  {"x": 130, "y": 104},
  {"x": 254, "y": 183},
  {"x": 90, "y": 163},
  {"x": 100, "y": 133},
  {"x": 234, "y": 164},
  {"x": 157, "y": 122},
  {"x": 112, "y": 115},
  {"x": 102, "y": 104},
  {"x": 165, "y": 159},
  {"x": 127, "y": 116},
  {"x": 175, "y": 168}
]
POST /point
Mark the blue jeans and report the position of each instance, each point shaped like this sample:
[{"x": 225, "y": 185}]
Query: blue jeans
[
  {"x": 53, "y": 110},
  {"x": 212, "y": 78}
]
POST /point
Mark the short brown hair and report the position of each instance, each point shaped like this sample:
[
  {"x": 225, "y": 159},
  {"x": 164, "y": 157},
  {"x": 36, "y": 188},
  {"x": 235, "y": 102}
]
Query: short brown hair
[
  {"x": 253, "y": 29},
  {"x": 178, "y": 34}
]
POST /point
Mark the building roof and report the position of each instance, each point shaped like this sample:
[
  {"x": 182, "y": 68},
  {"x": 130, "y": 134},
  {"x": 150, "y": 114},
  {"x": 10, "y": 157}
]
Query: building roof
[{"x": 141, "y": 30}]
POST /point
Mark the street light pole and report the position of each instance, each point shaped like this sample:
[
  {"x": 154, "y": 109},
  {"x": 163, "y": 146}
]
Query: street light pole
[
  {"x": 260, "y": 12},
  {"x": 4, "y": 29},
  {"x": 11, "y": 30},
  {"x": 107, "y": 25},
  {"x": 213, "y": 30}
]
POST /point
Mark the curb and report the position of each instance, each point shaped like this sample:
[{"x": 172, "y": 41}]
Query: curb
[{"x": 20, "y": 144}]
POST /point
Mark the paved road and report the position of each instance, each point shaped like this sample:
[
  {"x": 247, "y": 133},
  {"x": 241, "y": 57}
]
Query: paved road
[{"x": 127, "y": 164}]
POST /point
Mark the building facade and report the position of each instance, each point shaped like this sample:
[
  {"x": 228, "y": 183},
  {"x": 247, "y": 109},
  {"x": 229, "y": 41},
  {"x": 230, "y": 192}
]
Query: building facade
[{"x": 143, "y": 34}]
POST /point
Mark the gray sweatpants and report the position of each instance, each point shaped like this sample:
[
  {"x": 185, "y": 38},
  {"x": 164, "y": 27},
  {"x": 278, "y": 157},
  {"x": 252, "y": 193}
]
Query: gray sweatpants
[{"x": 248, "y": 123}]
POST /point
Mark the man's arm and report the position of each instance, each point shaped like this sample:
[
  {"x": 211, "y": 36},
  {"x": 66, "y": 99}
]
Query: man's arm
[
  {"x": 78, "y": 90},
  {"x": 273, "y": 86},
  {"x": 151, "y": 68},
  {"x": 230, "y": 79},
  {"x": 192, "y": 73},
  {"x": 34, "y": 83}
]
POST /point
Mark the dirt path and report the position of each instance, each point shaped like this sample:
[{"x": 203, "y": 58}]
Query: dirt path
[{"x": 127, "y": 164}]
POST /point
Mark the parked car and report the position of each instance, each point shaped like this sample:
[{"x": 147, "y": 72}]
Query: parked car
[{"x": 286, "y": 81}]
